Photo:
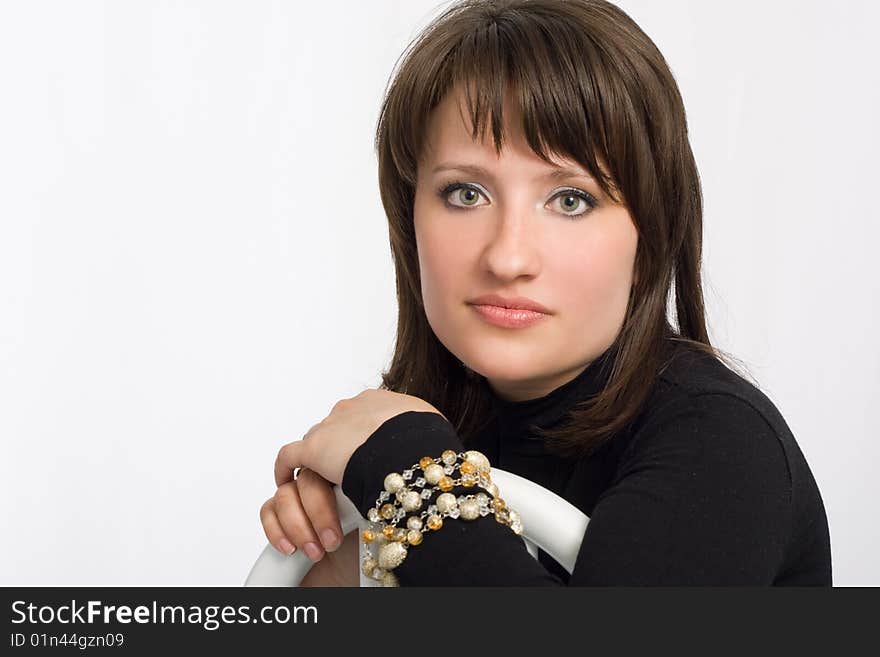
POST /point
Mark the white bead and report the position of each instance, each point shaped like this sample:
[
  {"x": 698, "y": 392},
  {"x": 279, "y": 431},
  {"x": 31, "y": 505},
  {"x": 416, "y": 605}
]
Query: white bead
[
  {"x": 391, "y": 555},
  {"x": 389, "y": 579},
  {"x": 469, "y": 509},
  {"x": 393, "y": 482},
  {"x": 368, "y": 565},
  {"x": 401, "y": 493},
  {"x": 449, "y": 459},
  {"x": 373, "y": 514},
  {"x": 478, "y": 459},
  {"x": 492, "y": 489},
  {"x": 414, "y": 522},
  {"x": 446, "y": 502},
  {"x": 433, "y": 473},
  {"x": 412, "y": 501}
]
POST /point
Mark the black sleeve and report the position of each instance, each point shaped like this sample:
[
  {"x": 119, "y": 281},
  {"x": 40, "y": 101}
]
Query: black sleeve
[
  {"x": 702, "y": 497},
  {"x": 480, "y": 552}
]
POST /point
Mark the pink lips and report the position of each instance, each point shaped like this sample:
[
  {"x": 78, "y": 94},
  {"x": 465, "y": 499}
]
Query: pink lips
[{"x": 508, "y": 317}]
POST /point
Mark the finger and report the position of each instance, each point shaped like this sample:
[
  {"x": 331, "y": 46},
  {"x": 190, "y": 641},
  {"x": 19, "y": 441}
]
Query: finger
[
  {"x": 295, "y": 522},
  {"x": 319, "y": 501},
  {"x": 289, "y": 457},
  {"x": 272, "y": 528}
]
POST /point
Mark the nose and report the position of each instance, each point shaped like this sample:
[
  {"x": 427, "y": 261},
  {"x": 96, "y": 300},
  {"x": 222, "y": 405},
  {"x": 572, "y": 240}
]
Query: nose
[{"x": 514, "y": 246}]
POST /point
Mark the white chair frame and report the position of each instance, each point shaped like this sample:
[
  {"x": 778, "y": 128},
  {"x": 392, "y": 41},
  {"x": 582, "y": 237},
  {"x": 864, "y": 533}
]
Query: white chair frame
[{"x": 550, "y": 522}]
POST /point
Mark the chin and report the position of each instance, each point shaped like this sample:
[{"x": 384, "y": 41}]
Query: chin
[{"x": 503, "y": 368}]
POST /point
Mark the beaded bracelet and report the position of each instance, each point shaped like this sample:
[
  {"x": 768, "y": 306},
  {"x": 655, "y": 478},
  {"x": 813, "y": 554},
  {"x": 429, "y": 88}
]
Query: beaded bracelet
[{"x": 393, "y": 541}]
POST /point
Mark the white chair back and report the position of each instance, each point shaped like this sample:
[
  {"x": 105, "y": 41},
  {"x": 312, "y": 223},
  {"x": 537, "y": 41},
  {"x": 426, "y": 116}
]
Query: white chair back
[{"x": 550, "y": 522}]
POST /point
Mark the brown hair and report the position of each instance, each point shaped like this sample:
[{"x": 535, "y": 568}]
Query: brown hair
[{"x": 592, "y": 86}]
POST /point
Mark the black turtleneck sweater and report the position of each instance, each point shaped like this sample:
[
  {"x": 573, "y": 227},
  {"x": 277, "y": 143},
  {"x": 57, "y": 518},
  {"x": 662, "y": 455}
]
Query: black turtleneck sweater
[{"x": 707, "y": 487}]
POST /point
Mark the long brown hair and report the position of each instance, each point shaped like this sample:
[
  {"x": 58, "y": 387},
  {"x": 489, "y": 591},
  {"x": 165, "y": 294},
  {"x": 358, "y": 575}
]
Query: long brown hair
[{"x": 592, "y": 86}]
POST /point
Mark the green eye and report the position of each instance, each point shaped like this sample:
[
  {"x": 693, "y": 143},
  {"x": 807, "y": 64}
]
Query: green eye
[
  {"x": 468, "y": 195},
  {"x": 572, "y": 199},
  {"x": 464, "y": 192}
]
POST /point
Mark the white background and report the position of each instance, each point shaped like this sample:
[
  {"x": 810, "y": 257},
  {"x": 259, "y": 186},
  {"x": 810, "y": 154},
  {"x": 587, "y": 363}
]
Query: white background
[{"x": 194, "y": 261}]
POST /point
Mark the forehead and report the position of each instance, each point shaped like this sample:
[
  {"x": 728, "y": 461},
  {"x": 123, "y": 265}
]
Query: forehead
[
  {"x": 449, "y": 129},
  {"x": 449, "y": 141}
]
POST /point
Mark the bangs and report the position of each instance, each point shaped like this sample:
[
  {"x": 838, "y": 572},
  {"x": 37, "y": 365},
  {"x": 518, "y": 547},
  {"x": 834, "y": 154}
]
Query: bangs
[{"x": 530, "y": 64}]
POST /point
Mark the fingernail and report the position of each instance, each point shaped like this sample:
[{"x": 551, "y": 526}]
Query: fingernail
[
  {"x": 286, "y": 546},
  {"x": 313, "y": 551},
  {"x": 328, "y": 538}
]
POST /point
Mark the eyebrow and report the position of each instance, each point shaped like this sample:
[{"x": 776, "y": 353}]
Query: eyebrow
[{"x": 557, "y": 173}]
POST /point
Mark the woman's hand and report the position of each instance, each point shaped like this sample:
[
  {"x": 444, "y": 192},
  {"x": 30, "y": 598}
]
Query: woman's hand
[
  {"x": 328, "y": 445},
  {"x": 302, "y": 514},
  {"x": 299, "y": 516}
]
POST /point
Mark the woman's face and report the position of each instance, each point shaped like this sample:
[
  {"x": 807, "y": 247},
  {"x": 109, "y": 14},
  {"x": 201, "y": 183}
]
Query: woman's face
[{"x": 509, "y": 231}]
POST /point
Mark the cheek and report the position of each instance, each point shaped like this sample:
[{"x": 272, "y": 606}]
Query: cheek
[
  {"x": 442, "y": 258},
  {"x": 597, "y": 276}
]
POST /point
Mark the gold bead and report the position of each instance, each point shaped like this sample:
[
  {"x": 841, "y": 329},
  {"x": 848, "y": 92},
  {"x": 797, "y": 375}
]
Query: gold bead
[
  {"x": 388, "y": 531},
  {"x": 502, "y": 516},
  {"x": 368, "y": 536},
  {"x": 435, "y": 522},
  {"x": 468, "y": 481},
  {"x": 387, "y": 511},
  {"x": 425, "y": 461},
  {"x": 468, "y": 468},
  {"x": 414, "y": 536},
  {"x": 498, "y": 503},
  {"x": 445, "y": 483}
]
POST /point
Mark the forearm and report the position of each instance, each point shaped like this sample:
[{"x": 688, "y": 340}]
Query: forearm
[{"x": 479, "y": 552}]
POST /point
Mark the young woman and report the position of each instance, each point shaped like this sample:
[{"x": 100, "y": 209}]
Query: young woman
[{"x": 534, "y": 154}]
